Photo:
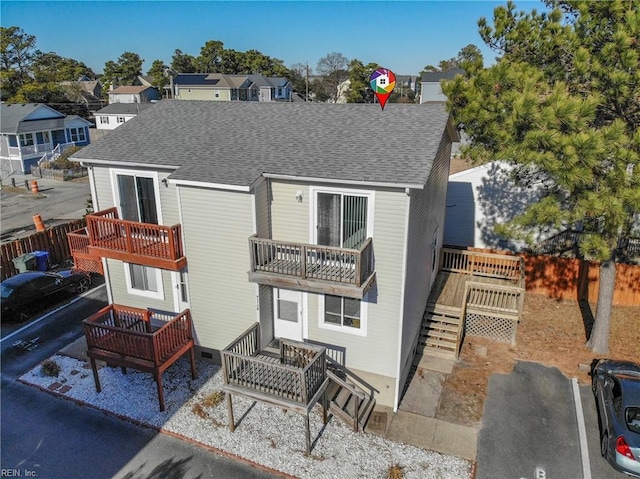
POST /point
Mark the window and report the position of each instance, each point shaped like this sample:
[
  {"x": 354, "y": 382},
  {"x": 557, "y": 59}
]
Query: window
[
  {"x": 104, "y": 120},
  {"x": 42, "y": 137},
  {"x": 216, "y": 93},
  {"x": 342, "y": 311},
  {"x": 120, "y": 119},
  {"x": 77, "y": 134},
  {"x": 137, "y": 198},
  {"x": 341, "y": 220},
  {"x": 144, "y": 281},
  {"x": 26, "y": 139}
]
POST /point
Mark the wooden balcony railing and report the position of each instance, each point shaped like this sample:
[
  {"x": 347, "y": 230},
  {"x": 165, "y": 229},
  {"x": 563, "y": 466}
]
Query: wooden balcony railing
[
  {"x": 140, "y": 339},
  {"x": 83, "y": 259},
  {"x": 286, "y": 264},
  {"x": 296, "y": 380},
  {"x": 483, "y": 264},
  {"x": 140, "y": 243}
]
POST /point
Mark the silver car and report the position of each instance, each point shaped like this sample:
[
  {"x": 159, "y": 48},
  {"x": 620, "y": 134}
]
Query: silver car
[{"x": 616, "y": 386}]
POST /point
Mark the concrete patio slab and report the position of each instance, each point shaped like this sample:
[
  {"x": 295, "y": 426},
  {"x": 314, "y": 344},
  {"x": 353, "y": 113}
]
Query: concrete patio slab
[
  {"x": 435, "y": 363},
  {"x": 423, "y": 394},
  {"x": 454, "y": 439},
  {"x": 412, "y": 429}
]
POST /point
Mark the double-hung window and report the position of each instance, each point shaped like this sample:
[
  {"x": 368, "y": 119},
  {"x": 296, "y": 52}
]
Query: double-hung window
[
  {"x": 77, "y": 134},
  {"x": 341, "y": 311}
]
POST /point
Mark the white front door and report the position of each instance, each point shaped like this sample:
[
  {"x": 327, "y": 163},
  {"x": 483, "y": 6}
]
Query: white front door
[
  {"x": 180, "y": 290},
  {"x": 287, "y": 317}
]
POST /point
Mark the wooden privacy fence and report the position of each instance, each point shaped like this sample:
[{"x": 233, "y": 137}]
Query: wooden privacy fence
[
  {"x": 573, "y": 279},
  {"x": 53, "y": 240}
]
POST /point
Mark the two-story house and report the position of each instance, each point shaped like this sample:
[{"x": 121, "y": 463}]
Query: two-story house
[
  {"x": 227, "y": 87},
  {"x": 112, "y": 116},
  {"x": 320, "y": 223},
  {"x": 134, "y": 94},
  {"x": 31, "y": 131}
]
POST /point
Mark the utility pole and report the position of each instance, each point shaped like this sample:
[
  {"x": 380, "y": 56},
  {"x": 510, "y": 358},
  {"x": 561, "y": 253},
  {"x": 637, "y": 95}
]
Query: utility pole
[{"x": 306, "y": 96}]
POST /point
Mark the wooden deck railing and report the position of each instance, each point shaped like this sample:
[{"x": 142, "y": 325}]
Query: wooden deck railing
[
  {"x": 127, "y": 337},
  {"x": 316, "y": 262},
  {"x": 108, "y": 232},
  {"x": 296, "y": 377},
  {"x": 79, "y": 241},
  {"x": 494, "y": 298},
  {"x": 483, "y": 264}
]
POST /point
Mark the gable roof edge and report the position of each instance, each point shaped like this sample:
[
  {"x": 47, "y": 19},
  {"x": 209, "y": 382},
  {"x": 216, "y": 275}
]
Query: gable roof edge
[{"x": 311, "y": 179}]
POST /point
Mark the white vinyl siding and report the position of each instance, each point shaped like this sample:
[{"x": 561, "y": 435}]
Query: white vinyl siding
[{"x": 216, "y": 226}]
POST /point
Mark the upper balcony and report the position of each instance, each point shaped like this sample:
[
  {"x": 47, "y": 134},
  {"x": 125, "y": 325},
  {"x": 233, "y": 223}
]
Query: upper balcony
[
  {"x": 133, "y": 242},
  {"x": 312, "y": 268}
]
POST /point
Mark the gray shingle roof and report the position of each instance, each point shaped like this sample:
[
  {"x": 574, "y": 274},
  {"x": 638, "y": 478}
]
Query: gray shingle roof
[
  {"x": 233, "y": 143},
  {"x": 12, "y": 118},
  {"x": 437, "y": 76},
  {"x": 124, "y": 108}
]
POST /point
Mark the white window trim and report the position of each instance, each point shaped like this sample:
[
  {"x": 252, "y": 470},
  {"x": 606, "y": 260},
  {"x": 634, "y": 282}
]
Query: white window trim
[
  {"x": 313, "y": 215},
  {"x": 104, "y": 120},
  {"x": 139, "y": 292},
  {"x": 114, "y": 172},
  {"x": 362, "y": 331},
  {"x": 120, "y": 119}
]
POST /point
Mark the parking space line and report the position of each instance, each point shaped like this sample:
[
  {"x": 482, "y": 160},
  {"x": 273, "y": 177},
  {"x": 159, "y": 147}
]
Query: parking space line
[
  {"x": 27, "y": 326},
  {"x": 582, "y": 432}
]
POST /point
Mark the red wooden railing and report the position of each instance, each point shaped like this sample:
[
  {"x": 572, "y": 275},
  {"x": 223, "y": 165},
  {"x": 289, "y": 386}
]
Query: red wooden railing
[
  {"x": 108, "y": 232},
  {"x": 129, "y": 332}
]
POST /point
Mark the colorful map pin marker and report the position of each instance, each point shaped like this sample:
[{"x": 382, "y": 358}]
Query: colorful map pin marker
[{"x": 382, "y": 82}]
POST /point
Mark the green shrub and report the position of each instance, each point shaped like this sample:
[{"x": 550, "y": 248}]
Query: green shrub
[{"x": 51, "y": 368}]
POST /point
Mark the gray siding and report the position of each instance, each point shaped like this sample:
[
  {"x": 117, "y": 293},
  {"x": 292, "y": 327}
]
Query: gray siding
[
  {"x": 263, "y": 220},
  {"x": 377, "y": 352},
  {"x": 426, "y": 216},
  {"x": 216, "y": 227},
  {"x": 117, "y": 281},
  {"x": 289, "y": 219}
]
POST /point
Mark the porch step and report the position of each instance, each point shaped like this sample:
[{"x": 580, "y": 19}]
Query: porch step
[
  {"x": 343, "y": 396},
  {"x": 439, "y": 331}
]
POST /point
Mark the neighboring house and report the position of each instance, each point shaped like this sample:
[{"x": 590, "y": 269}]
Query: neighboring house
[
  {"x": 480, "y": 198},
  {"x": 116, "y": 114},
  {"x": 430, "y": 87},
  {"x": 249, "y": 190},
  {"x": 222, "y": 87},
  {"x": 431, "y": 92},
  {"x": 85, "y": 92},
  {"x": 31, "y": 131},
  {"x": 406, "y": 82},
  {"x": 134, "y": 94}
]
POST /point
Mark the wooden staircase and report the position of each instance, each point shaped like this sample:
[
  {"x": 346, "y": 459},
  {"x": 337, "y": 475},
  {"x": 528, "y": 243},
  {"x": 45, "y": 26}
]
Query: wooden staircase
[
  {"x": 348, "y": 401},
  {"x": 440, "y": 334}
]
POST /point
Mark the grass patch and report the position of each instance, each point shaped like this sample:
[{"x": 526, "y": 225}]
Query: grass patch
[{"x": 51, "y": 368}]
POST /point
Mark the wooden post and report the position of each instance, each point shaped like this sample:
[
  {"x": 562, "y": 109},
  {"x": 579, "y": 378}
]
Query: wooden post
[
  {"x": 307, "y": 434},
  {"x": 232, "y": 424},
  {"x": 303, "y": 262},
  {"x": 158, "y": 378},
  {"x": 192, "y": 357},
  {"x": 96, "y": 379}
]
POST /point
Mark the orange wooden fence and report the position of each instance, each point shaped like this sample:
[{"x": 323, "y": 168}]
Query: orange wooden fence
[
  {"x": 53, "y": 240},
  {"x": 570, "y": 278}
]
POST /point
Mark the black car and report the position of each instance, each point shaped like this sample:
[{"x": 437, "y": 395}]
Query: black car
[
  {"x": 25, "y": 293},
  {"x": 616, "y": 386}
]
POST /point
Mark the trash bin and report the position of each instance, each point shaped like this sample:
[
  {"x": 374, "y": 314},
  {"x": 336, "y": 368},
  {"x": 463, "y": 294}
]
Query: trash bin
[
  {"x": 42, "y": 260},
  {"x": 25, "y": 262}
]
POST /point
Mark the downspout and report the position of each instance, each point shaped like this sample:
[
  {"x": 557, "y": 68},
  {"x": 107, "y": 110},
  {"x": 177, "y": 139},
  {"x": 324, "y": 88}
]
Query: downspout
[{"x": 396, "y": 401}]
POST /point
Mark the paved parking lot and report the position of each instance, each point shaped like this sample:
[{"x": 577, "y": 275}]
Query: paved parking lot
[{"x": 58, "y": 202}]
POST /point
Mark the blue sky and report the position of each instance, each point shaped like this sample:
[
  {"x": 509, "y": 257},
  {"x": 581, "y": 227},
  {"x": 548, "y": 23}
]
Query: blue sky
[{"x": 401, "y": 36}]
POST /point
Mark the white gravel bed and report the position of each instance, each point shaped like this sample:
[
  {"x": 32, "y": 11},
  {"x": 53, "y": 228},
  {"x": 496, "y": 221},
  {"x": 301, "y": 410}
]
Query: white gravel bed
[{"x": 264, "y": 434}]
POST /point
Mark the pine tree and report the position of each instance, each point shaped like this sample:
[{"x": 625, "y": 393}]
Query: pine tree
[{"x": 562, "y": 104}]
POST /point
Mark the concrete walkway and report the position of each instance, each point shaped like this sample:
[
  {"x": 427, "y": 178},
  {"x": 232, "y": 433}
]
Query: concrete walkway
[{"x": 415, "y": 423}]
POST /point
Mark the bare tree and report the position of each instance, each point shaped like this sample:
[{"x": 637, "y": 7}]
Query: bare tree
[{"x": 334, "y": 67}]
